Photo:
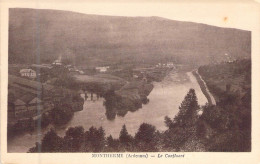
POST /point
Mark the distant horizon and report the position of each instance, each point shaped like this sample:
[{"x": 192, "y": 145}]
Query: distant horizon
[
  {"x": 226, "y": 15},
  {"x": 125, "y": 16}
]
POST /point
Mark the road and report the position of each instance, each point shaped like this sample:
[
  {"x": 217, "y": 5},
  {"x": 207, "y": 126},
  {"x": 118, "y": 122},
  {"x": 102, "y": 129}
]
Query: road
[{"x": 205, "y": 89}]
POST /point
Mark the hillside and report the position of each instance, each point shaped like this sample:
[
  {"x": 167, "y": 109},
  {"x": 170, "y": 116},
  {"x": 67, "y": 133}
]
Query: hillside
[
  {"x": 230, "y": 120},
  {"x": 234, "y": 77},
  {"x": 40, "y": 36}
]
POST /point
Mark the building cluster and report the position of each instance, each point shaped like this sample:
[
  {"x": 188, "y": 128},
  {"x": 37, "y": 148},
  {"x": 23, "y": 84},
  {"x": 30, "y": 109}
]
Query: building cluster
[
  {"x": 27, "y": 98},
  {"x": 165, "y": 65},
  {"x": 102, "y": 69},
  {"x": 229, "y": 58},
  {"x": 30, "y": 99},
  {"x": 37, "y": 70},
  {"x": 74, "y": 69},
  {"x": 57, "y": 62},
  {"x": 28, "y": 73}
]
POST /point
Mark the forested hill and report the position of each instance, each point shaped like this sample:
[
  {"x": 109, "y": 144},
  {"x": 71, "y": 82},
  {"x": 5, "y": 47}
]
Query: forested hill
[{"x": 44, "y": 35}]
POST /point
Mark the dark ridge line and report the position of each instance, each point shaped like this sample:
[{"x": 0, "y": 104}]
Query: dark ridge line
[{"x": 115, "y": 16}]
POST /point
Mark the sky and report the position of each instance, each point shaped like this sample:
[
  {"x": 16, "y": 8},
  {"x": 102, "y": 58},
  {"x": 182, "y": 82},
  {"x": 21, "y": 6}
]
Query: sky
[{"x": 233, "y": 14}]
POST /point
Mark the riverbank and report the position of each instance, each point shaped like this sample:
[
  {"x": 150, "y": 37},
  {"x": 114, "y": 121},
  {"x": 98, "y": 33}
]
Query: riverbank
[{"x": 204, "y": 88}]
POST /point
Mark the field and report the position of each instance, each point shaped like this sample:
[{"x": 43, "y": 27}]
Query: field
[{"x": 99, "y": 78}]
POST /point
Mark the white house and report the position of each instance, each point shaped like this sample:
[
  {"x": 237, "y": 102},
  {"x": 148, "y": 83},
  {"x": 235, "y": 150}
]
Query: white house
[
  {"x": 170, "y": 65},
  {"x": 28, "y": 73},
  {"x": 57, "y": 62},
  {"x": 81, "y": 72},
  {"x": 102, "y": 69},
  {"x": 164, "y": 65}
]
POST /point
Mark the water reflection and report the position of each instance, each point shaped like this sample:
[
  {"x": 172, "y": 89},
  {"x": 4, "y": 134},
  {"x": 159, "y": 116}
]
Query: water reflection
[
  {"x": 90, "y": 96},
  {"x": 116, "y": 105}
]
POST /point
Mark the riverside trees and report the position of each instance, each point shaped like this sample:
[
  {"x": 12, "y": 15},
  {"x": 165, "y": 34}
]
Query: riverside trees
[{"x": 183, "y": 126}]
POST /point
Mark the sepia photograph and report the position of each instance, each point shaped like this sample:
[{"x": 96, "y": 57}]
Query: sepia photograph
[
  {"x": 84, "y": 81},
  {"x": 96, "y": 83}
]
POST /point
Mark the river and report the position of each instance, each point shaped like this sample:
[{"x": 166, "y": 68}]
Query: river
[{"x": 164, "y": 100}]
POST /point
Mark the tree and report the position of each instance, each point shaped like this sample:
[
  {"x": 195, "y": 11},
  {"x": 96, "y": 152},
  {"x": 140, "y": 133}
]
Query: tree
[
  {"x": 175, "y": 137},
  {"x": 124, "y": 137},
  {"x": 62, "y": 113},
  {"x": 73, "y": 138},
  {"x": 183, "y": 125},
  {"x": 51, "y": 142},
  {"x": 94, "y": 139},
  {"x": 188, "y": 110},
  {"x": 110, "y": 113},
  {"x": 112, "y": 144},
  {"x": 110, "y": 103},
  {"x": 145, "y": 138},
  {"x": 168, "y": 122}
]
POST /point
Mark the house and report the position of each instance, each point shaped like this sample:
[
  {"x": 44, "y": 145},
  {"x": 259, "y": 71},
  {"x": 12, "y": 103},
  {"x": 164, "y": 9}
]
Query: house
[
  {"x": 170, "y": 65},
  {"x": 81, "y": 72},
  {"x": 68, "y": 66},
  {"x": 102, "y": 69},
  {"x": 57, "y": 62},
  {"x": 27, "y": 105},
  {"x": 19, "y": 106},
  {"x": 75, "y": 70},
  {"x": 135, "y": 76},
  {"x": 28, "y": 73},
  {"x": 165, "y": 65},
  {"x": 33, "y": 106}
]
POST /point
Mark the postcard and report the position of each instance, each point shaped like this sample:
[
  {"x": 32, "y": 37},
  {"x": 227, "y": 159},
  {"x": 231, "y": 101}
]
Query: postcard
[{"x": 130, "y": 81}]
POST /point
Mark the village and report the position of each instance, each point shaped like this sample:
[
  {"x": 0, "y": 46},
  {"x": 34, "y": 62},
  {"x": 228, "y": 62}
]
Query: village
[{"x": 30, "y": 96}]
